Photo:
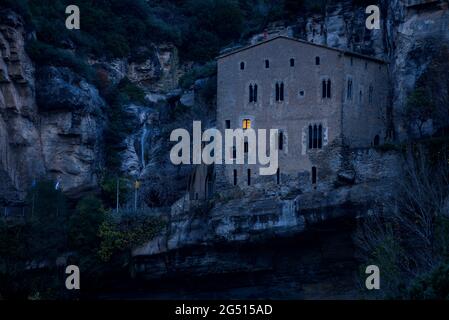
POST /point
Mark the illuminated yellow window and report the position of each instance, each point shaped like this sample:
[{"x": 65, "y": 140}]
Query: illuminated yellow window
[{"x": 246, "y": 124}]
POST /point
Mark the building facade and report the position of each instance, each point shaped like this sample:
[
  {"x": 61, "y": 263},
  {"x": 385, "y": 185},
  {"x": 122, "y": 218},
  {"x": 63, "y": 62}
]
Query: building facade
[{"x": 319, "y": 98}]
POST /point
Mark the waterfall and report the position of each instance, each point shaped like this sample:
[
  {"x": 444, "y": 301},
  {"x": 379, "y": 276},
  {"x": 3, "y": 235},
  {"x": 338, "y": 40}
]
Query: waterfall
[{"x": 143, "y": 138}]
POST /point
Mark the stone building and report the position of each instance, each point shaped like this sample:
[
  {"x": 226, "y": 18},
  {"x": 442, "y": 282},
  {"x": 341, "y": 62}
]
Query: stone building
[{"x": 321, "y": 99}]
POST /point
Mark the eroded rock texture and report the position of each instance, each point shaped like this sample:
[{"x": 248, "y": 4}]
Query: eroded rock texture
[{"x": 20, "y": 145}]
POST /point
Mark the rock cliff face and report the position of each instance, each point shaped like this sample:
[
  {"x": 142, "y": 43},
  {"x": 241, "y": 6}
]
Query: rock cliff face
[
  {"x": 50, "y": 122},
  {"x": 20, "y": 144}
]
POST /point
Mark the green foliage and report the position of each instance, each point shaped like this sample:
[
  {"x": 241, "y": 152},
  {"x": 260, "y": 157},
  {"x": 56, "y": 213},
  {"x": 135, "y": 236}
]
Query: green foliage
[
  {"x": 42, "y": 53},
  {"x": 47, "y": 223},
  {"x": 131, "y": 91},
  {"x": 40, "y": 239},
  {"x": 419, "y": 109},
  {"x": 434, "y": 285},
  {"x": 123, "y": 231},
  {"x": 84, "y": 224}
]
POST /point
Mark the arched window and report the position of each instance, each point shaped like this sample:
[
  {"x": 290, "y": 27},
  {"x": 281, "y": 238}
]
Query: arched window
[
  {"x": 242, "y": 65},
  {"x": 281, "y": 94},
  {"x": 317, "y": 61},
  {"x": 314, "y": 175},
  {"x": 235, "y": 177},
  {"x": 320, "y": 136},
  {"x": 281, "y": 140},
  {"x": 310, "y": 137},
  {"x": 277, "y": 91},
  {"x": 251, "y": 93},
  {"x": 324, "y": 91},
  {"x": 315, "y": 136},
  {"x": 292, "y": 62},
  {"x": 246, "y": 124},
  {"x": 255, "y": 93}
]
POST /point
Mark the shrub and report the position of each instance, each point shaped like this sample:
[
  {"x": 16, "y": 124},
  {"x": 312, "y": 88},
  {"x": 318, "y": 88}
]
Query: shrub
[{"x": 123, "y": 231}]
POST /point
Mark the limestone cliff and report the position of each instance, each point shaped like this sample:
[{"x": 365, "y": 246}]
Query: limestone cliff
[{"x": 50, "y": 121}]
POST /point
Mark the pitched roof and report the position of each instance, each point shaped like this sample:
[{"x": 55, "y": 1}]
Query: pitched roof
[{"x": 345, "y": 52}]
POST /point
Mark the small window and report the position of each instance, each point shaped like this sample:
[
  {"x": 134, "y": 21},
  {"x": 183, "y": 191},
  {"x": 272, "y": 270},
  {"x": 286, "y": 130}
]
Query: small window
[
  {"x": 228, "y": 124},
  {"x": 302, "y": 93},
  {"x": 249, "y": 177},
  {"x": 245, "y": 147},
  {"x": 314, "y": 176},
  {"x": 267, "y": 64},
  {"x": 292, "y": 62},
  {"x": 246, "y": 124},
  {"x": 376, "y": 140},
  {"x": 242, "y": 65},
  {"x": 235, "y": 177},
  {"x": 278, "y": 176},
  {"x": 366, "y": 65},
  {"x": 352, "y": 61},
  {"x": 317, "y": 61}
]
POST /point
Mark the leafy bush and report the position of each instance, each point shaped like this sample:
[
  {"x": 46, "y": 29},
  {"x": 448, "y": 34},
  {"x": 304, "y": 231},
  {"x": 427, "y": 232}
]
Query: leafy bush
[
  {"x": 122, "y": 231},
  {"x": 84, "y": 224},
  {"x": 44, "y": 54},
  {"x": 434, "y": 285}
]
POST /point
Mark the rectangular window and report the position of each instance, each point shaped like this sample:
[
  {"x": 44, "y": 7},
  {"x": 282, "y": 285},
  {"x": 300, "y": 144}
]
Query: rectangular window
[
  {"x": 267, "y": 64},
  {"x": 235, "y": 177},
  {"x": 249, "y": 177},
  {"x": 292, "y": 62},
  {"x": 246, "y": 124},
  {"x": 245, "y": 147},
  {"x": 228, "y": 124},
  {"x": 278, "y": 176}
]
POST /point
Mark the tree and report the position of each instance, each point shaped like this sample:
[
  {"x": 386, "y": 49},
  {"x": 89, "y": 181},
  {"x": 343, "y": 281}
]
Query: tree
[
  {"x": 419, "y": 109},
  {"x": 409, "y": 241}
]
